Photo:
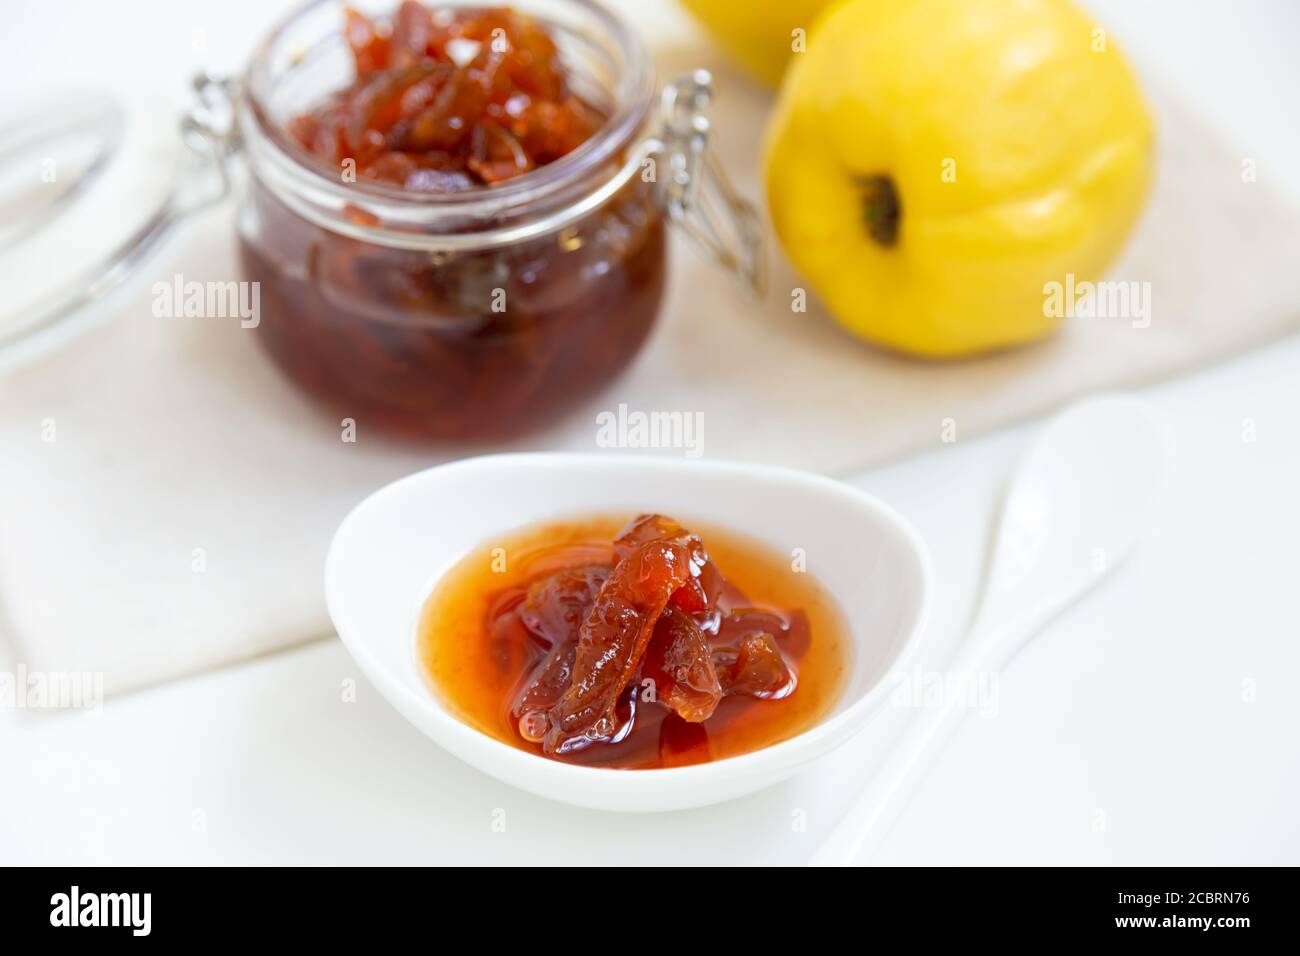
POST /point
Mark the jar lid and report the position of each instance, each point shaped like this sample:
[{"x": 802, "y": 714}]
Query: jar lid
[{"x": 90, "y": 187}]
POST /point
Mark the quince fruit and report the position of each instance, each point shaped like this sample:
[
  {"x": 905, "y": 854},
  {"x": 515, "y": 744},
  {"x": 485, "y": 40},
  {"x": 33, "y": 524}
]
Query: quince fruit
[
  {"x": 932, "y": 165},
  {"x": 759, "y": 34}
]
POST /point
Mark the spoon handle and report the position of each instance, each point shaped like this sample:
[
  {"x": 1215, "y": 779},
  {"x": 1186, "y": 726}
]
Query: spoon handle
[{"x": 871, "y": 814}]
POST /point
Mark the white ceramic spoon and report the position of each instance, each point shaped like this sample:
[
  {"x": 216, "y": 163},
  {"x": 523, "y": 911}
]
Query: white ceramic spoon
[{"x": 1076, "y": 506}]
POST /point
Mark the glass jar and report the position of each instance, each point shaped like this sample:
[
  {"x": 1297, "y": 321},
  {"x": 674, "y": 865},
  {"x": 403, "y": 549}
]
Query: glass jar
[{"x": 489, "y": 311}]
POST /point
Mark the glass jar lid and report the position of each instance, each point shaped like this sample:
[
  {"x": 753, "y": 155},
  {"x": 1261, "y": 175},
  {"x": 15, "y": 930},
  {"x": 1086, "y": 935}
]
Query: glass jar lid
[{"x": 90, "y": 189}]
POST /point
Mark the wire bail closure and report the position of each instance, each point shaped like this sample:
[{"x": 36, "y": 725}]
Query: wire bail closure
[
  {"x": 210, "y": 132},
  {"x": 696, "y": 192}
]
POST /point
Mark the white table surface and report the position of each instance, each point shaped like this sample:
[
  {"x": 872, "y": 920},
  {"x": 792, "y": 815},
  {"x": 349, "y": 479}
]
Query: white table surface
[{"x": 1155, "y": 723}]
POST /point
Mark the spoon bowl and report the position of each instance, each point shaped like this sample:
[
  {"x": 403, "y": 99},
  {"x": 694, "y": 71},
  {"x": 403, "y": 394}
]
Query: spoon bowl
[
  {"x": 1080, "y": 498},
  {"x": 388, "y": 554}
]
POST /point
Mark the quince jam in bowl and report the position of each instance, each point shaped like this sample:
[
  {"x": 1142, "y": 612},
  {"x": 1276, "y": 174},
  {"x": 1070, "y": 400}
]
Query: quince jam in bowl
[
  {"x": 447, "y": 213},
  {"x": 633, "y": 645}
]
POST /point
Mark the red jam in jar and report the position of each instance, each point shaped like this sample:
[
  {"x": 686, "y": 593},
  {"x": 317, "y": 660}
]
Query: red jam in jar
[
  {"x": 471, "y": 98},
  {"x": 476, "y": 265}
]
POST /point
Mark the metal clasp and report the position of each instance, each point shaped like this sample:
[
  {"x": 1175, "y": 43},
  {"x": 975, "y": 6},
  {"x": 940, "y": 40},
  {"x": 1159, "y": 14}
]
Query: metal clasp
[
  {"x": 212, "y": 135},
  {"x": 696, "y": 192}
]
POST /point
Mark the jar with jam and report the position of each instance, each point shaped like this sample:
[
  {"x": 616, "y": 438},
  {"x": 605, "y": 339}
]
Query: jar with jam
[{"x": 457, "y": 215}]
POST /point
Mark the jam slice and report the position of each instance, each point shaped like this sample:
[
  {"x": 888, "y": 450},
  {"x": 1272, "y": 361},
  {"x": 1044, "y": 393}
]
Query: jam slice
[
  {"x": 680, "y": 662},
  {"x": 553, "y": 611},
  {"x": 543, "y": 689},
  {"x": 449, "y": 100},
  {"x": 747, "y": 656},
  {"x": 507, "y": 637},
  {"x": 555, "y": 605},
  {"x": 613, "y": 638},
  {"x": 700, "y": 594}
]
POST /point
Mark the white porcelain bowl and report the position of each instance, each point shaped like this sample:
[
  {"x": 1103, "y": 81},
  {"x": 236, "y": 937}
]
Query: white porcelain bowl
[{"x": 388, "y": 553}]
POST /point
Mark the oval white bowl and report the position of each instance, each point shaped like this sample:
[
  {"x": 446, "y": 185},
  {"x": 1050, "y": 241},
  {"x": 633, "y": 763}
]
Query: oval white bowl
[{"x": 394, "y": 546}]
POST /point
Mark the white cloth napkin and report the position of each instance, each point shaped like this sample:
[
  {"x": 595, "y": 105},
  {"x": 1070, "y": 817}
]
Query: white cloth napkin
[{"x": 178, "y": 518}]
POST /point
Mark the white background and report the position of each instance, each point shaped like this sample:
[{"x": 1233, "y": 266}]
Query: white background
[{"x": 1125, "y": 733}]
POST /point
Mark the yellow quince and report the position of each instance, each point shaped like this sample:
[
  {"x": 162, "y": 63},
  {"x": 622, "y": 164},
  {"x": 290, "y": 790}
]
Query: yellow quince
[
  {"x": 761, "y": 35},
  {"x": 933, "y": 165}
]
